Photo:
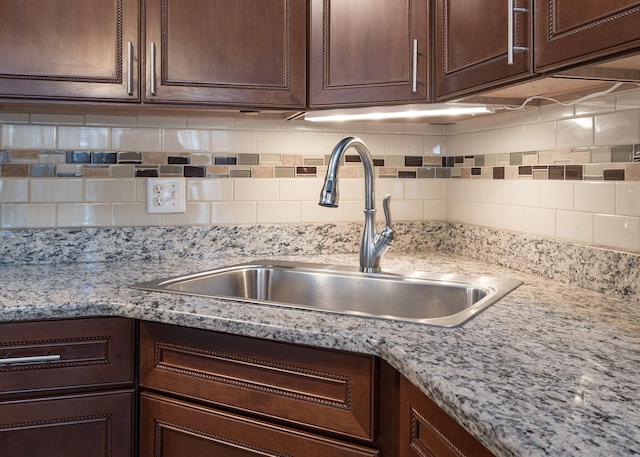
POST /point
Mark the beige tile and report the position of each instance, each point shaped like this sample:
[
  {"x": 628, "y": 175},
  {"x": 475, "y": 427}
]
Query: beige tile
[
  {"x": 133, "y": 215},
  {"x": 277, "y": 212},
  {"x": 622, "y": 127},
  {"x": 83, "y": 138},
  {"x": 14, "y": 190},
  {"x": 195, "y": 214},
  {"x": 209, "y": 189},
  {"x": 617, "y": 231},
  {"x": 255, "y": 189},
  {"x": 174, "y": 140},
  {"x": 110, "y": 190},
  {"x": 18, "y": 216},
  {"x": 84, "y": 215},
  {"x": 56, "y": 190},
  {"x": 28, "y": 137},
  {"x": 233, "y": 213},
  {"x": 136, "y": 139},
  {"x": 233, "y": 142}
]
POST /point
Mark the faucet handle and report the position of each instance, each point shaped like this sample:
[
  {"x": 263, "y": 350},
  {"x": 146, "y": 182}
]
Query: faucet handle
[
  {"x": 386, "y": 201},
  {"x": 388, "y": 235}
]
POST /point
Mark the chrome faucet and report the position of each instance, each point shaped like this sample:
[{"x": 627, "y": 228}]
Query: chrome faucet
[{"x": 372, "y": 246}]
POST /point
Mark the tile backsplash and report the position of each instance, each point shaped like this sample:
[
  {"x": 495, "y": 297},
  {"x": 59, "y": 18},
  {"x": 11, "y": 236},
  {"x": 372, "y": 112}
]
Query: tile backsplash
[{"x": 566, "y": 172}]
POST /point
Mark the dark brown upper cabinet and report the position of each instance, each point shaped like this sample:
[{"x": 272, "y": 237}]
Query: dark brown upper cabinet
[
  {"x": 571, "y": 32},
  {"x": 236, "y": 53},
  {"x": 474, "y": 42},
  {"x": 368, "y": 52},
  {"x": 69, "y": 49}
]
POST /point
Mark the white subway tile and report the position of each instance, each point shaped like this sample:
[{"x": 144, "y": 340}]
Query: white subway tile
[
  {"x": 353, "y": 210},
  {"x": 511, "y": 139},
  {"x": 255, "y": 189},
  {"x": 498, "y": 191},
  {"x": 525, "y": 192},
  {"x": 133, "y": 215},
  {"x": 209, "y": 189},
  {"x": 484, "y": 142},
  {"x": 555, "y": 112},
  {"x": 575, "y": 132},
  {"x": 162, "y": 121},
  {"x": 454, "y": 189},
  {"x": 14, "y": 118},
  {"x": 617, "y": 231},
  {"x": 300, "y": 189},
  {"x": 108, "y": 120},
  {"x": 28, "y": 137},
  {"x": 628, "y": 100},
  {"x": 233, "y": 213},
  {"x": 621, "y": 127},
  {"x": 312, "y": 212},
  {"x": 485, "y": 214},
  {"x": 435, "y": 145},
  {"x": 423, "y": 189},
  {"x": 279, "y": 142},
  {"x": 556, "y": 195},
  {"x": 234, "y": 142},
  {"x": 136, "y": 139},
  {"x": 175, "y": 140},
  {"x": 574, "y": 226},
  {"x": 56, "y": 190},
  {"x": 404, "y": 145},
  {"x": 256, "y": 124},
  {"x": 14, "y": 190},
  {"x": 224, "y": 123},
  {"x": 28, "y": 216},
  {"x": 404, "y": 210},
  {"x": 195, "y": 214},
  {"x": 384, "y": 127},
  {"x": 628, "y": 198},
  {"x": 319, "y": 144},
  {"x": 540, "y": 221},
  {"x": 473, "y": 190},
  {"x": 84, "y": 215},
  {"x": 540, "y": 136},
  {"x": 83, "y": 138},
  {"x": 110, "y": 190},
  {"x": 376, "y": 143},
  {"x": 434, "y": 210},
  {"x": 57, "y": 119},
  {"x": 595, "y": 197},
  {"x": 278, "y": 212},
  {"x": 393, "y": 187},
  {"x": 463, "y": 212},
  {"x": 510, "y": 218}
]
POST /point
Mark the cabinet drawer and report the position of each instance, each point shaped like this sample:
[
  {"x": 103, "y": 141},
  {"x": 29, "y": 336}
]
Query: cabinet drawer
[
  {"x": 172, "y": 428},
  {"x": 323, "y": 389},
  {"x": 96, "y": 425},
  {"x": 67, "y": 354}
]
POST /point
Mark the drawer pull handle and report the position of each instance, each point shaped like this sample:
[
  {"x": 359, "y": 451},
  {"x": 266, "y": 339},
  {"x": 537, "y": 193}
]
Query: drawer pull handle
[{"x": 30, "y": 359}]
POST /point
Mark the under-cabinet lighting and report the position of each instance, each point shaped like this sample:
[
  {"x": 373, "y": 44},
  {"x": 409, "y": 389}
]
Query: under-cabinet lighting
[{"x": 396, "y": 112}]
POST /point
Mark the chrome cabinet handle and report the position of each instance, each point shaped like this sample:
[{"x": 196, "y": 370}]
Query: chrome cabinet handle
[
  {"x": 415, "y": 66},
  {"x": 29, "y": 359},
  {"x": 130, "y": 68},
  {"x": 152, "y": 68},
  {"x": 511, "y": 48}
]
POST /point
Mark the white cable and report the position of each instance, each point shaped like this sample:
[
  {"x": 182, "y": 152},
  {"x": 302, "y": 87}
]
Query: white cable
[{"x": 581, "y": 99}]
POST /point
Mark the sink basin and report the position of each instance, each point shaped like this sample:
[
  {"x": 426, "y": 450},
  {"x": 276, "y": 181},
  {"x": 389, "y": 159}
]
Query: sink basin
[{"x": 434, "y": 299}]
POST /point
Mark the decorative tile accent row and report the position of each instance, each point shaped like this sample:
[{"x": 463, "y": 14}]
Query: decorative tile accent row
[{"x": 615, "y": 163}]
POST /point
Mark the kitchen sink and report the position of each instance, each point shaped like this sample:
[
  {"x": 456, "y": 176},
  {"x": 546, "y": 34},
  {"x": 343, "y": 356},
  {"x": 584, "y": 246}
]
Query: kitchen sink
[{"x": 434, "y": 299}]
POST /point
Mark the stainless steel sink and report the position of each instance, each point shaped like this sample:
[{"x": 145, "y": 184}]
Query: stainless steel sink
[{"x": 435, "y": 299}]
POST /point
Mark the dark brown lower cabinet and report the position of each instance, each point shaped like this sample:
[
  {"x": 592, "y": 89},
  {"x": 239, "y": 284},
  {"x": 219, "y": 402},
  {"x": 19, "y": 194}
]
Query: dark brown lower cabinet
[
  {"x": 427, "y": 431},
  {"x": 174, "y": 428},
  {"x": 85, "y": 425},
  {"x": 67, "y": 388}
]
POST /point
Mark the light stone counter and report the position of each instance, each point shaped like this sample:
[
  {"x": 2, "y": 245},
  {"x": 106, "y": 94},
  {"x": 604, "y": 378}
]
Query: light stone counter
[{"x": 552, "y": 369}]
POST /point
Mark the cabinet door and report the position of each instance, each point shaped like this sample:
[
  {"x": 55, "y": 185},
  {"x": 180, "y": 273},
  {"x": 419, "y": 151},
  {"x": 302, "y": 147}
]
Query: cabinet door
[
  {"x": 173, "y": 428},
  {"x": 69, "y": 49},
  {"x": 368, "y": 52},
  {"x": 95, "y": 425},
  {"x": 574, "y": 31},
  {"x": 472, "y": 38},
  {"x": 246, "y": 53},
  {"x": 426, "y": 430}
]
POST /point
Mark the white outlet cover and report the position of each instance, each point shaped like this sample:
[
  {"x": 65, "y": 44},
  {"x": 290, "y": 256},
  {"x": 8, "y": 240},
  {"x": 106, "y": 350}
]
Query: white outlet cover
[{"x": 166, "y": 195}]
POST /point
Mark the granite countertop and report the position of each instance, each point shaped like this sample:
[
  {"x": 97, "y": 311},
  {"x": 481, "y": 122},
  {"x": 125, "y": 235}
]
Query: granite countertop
[{"x": 551, "y": 369}]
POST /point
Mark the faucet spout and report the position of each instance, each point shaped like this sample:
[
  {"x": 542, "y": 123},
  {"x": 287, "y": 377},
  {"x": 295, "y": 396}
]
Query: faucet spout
[{"x": 372, "y": 246}]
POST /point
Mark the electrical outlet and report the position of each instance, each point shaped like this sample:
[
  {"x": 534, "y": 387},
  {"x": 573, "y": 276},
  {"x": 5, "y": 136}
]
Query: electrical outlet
[{"x": 166, "y": 195}]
